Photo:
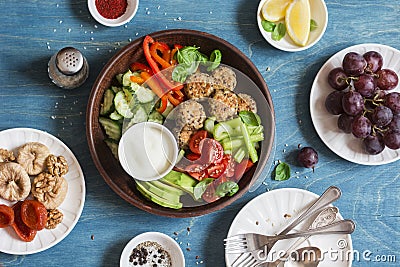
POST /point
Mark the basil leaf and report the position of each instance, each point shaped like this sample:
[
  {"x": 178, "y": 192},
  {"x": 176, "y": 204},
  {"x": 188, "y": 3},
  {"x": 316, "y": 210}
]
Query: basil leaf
[
  {"x": 227, "y": 188},
  {"x": 180, "y": 73},
  {"x": 268, "y": 26},
  {"x": 282, "y": 172},
  {"x": 201, "y": 187},
  {"x": 215, "y": 60},
  {"x": 313, "y": 25},
  {"x": 249, "y": 118},
  {"x": 279, "y": 32}
]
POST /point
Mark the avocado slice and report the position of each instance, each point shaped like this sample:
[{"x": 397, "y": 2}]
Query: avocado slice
[
  {"x": 161, "y": 192},
  {"x": 180, "y": 180},
  {"x": 166, "y": 187},
  {"x": 156, "y": 199}
]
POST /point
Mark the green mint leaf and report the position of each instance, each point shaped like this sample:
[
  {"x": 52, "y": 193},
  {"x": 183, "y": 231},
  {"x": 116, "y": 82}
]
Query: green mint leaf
[
  {"x": 279, "y": 32},
  {"x": 215, "y": 60},
  {"x": 249, "y": 118},
  {"x": 201, "y": 187},
  {"x": 268, "y": 25},
  {"x": 313, "y": 25},
  {"x": 282, "y": 172},
  {"x": 227, "y": 188}
]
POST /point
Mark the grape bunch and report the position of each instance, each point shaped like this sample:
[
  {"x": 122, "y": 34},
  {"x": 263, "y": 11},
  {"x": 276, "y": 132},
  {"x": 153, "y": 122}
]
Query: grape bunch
[{"x": 365, "y": 102}]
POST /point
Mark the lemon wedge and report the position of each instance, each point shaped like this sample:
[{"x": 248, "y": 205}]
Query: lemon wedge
[
  {"x": 274, "y": 10},
  {"x": 297, "y": 20}
]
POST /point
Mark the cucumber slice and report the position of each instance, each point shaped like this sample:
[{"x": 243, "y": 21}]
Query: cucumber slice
[
  {"x": 140, "y": 116},
  {"x": 112, "y": 128},
  {"x": 209, "y": 124},
  {"x": 115, "y": 116},
  {"x": 144, "y": 95},
  {"x": 156, "y": 117},
  {"x": 113, "y": 145},
  {"x": 116, "y": 89},
  {"x": 108, "y": 103},
  {"x": 126, "y": 78},
  {"x": 119, "y": 77},
  {"x": 122, "y": 105}
]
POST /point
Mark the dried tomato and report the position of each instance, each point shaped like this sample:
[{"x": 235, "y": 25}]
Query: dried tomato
[
  {"x": 6, "y": 216},
  {"x": 23, "y": 231},
  {"x": 34, "y": 214}
]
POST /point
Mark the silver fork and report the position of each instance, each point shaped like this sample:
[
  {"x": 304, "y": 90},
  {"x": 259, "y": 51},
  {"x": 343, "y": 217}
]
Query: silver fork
[
  {"x": 251, "y": 242},
  {"x": 331, "y": 194}
]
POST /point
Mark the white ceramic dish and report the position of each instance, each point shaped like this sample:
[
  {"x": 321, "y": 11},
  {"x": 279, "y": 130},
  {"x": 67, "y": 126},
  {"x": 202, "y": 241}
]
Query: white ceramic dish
[
  {"x": 271, "y": 212},
  {"x": 319, "y": 13},
  {"x": 147, "y": 151},
  {"x": 346, "y": 145},
  {"x": 125, "y": 18},
  {"x": 71, "y": 207},
  {"x": 164, "y": 240}
]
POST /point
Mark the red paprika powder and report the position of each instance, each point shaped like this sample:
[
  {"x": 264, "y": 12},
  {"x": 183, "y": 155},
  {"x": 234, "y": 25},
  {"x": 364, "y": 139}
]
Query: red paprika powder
[{"x": 111, "y": 9}]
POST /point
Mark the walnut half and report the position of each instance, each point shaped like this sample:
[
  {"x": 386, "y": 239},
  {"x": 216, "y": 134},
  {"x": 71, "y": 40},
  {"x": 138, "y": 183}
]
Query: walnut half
[
  {"x": 49, "y": 189},
  {"x": 57, "y": 166},
  {"x": 6, "y": 155},
  {"x": 54, "y": 217}
]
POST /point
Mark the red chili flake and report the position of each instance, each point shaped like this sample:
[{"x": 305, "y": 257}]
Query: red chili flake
[{"x": 111, "y": 9}]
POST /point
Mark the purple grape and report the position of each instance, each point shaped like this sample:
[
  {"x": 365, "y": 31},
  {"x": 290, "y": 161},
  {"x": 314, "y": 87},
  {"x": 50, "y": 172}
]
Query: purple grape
[
  {"x": 394, "y": 125},
  {"x": 361, "y": 127},
  {"x": 344, "y": 122},
  {"x": 354, "y": 64},
  {"x": 374, "y": 61},
  {"x": 381, "y": 116},
  {"x": 392, "y": 140},
  {"x": 392, "y": 101},
  {"x": 365, "y": 84},
  {"x": 307, "y": 157},
  {"x": 333, "y": 102},
  {"x": 374, "y": 144},
  {"x": 353, "y": 103},
  {"x": 387, "y": 79},
  {"x": 338, "y": 79}
]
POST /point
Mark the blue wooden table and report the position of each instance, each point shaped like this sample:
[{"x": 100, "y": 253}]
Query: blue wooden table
[{"x": 32, "y": 31}]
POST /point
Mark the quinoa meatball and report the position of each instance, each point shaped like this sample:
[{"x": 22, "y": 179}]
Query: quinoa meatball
[
  {"x": 199, "y": 85},
  {"x": 190, "y": 114},
  {"x": 246, "y": 103},
  {"x": 183, "y": 136},
  {"x": 223, "y": 105},
  {"x": 224, "y": 78}
]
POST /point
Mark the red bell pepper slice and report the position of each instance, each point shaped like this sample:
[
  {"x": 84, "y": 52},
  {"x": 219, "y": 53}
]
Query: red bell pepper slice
[
  {"x": 163, "y": 104},
  {"x": 137, "y": 66},
  {"x": 154, "y": 48}
]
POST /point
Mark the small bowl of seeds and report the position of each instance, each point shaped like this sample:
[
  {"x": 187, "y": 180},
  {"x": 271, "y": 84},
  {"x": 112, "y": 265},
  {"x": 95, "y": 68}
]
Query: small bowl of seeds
[{"x": 152, "y": 249}]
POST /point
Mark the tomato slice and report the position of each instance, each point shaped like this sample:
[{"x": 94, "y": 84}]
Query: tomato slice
[
  {"x": 194, "y": 142},
  {"x": 212, "y": 151},
  {"x": 6, "y": 216},
  {"x": 21, "y": 229},
  {"x": 216, "y": 170},
  {"x": 230, "y": 165},
  {"x": 34, "y": 214}
]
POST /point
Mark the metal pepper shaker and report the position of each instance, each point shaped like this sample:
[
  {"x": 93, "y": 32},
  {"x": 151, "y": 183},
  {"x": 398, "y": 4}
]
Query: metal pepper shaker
[{"x": 68, "y": 68}]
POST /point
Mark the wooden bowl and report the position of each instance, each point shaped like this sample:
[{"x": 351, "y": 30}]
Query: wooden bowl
[{"x": 109, "y": 167}]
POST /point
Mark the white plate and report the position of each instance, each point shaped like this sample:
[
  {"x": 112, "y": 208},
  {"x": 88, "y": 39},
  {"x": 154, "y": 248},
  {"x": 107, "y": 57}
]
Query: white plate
[
  {"x": 319, "y": 13},
  {"x": 271, "y": 212},
  {"x": 72, "y": 206},
  {"x": 164, "y": 240},
  {"x": 346, "y": 145}
]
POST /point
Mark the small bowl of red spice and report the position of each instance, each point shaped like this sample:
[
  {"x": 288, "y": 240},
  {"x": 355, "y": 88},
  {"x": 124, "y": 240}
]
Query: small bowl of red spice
[{"x": 113, "y": 13}]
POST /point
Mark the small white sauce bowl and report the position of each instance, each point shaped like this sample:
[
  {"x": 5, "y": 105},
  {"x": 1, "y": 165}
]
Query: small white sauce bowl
[
  {"x": 130, "y": 12},
  {"x": 319, "y": 13},
  {"x": 169, "y": 245},
  {"x": 147, "y": 151}
]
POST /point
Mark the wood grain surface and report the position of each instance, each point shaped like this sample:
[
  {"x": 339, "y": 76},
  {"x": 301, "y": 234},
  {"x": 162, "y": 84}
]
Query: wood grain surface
[{"x": 32, "y": 31}]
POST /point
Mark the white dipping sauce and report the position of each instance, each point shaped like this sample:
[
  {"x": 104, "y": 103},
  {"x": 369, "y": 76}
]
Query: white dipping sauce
[{"x": 147, "y": 151}]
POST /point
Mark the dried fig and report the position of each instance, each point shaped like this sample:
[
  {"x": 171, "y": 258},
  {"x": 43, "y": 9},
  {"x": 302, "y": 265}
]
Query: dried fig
[
  {"x": 15, "y": 183},
  {"x": 32, "y": 156},
  {"x": 50, "y": 190}
]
